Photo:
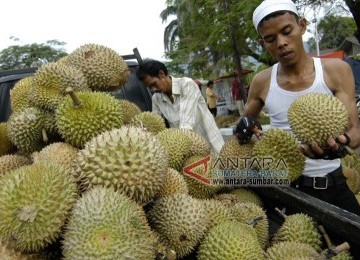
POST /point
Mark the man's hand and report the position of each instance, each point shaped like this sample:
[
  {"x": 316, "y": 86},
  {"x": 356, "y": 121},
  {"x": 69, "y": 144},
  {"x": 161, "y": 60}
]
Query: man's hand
[
  {"x": 246, "y": 127},
  {"x": 337, "y": 148}
]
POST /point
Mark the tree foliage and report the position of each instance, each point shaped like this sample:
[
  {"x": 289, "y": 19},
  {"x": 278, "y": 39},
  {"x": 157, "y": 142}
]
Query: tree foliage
[
  {"x": 332, "y": 32},
  {"x": 200, "y": 37},
  {"x": 31, "y": 55},
  {"x": 198, "y": 41}
]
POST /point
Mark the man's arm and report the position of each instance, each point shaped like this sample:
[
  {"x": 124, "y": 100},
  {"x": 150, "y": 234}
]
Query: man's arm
[
  {"x": 188, "y": 105},
  {"x": 346, "y": 93},
  {"x": 248, "y": 125}
]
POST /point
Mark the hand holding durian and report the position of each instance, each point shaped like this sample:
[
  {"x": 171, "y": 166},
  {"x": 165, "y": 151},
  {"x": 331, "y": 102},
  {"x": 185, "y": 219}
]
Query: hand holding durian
[{"x": 319, "y": 122}]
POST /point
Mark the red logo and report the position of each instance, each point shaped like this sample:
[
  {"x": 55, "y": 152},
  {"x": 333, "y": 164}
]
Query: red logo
[{"x": 189, "y": 169}]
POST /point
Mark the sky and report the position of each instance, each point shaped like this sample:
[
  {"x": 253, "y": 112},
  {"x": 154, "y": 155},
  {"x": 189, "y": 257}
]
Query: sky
[{"x": 120, "y": 25}]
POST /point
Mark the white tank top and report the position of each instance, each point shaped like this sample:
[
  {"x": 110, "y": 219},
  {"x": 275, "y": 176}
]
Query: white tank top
[{"x": 277, "y": 104}]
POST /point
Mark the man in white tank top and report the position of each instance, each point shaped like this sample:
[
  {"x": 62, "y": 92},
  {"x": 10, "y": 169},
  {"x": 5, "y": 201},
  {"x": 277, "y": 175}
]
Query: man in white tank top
[{"x": 296, "y": 74}]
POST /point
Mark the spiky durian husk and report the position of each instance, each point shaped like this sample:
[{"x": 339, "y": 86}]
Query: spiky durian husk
[
  {"x": 129, "y": 159},
  {"x": 180, "y": 221},
  {"x": 19, "y": 94},
  {"x": 8, "y": 253},
  {"x": 6, "y": 146},
  {"x": 199, "y": 145},
  {"x": 152, "y": 122},
  {"x": 130, "y": 109},
  {"x": 352, "y": 179},
  {"x": 249, "y": 212},
  {"x": 25, "y": 129},
  {"x": 106, "y": 224},
  {"x": 97, "y": 113},
  {"x": 289, "y": 250},
  {"x": 299, "y": 227},
  {"x": 34, "y": 203},
  {"x": 10, "y": 162},
  {"x": 177, "y": 145},
  {"x": 197, "y": 187},
  {"x": 316, "y": 117},
  {"x": 247, "y": 195},
  {"x": 50, "y": 82},
  {"x": 62, "y": 153},
  {"x": 230, "y": 240},
  {"x": 281, "y": 149},
  {"x": 217, "y": 212},
  {"x": 234, "y": 155},
  {"x": 174, "y": 183},
  {"x": 103, "y": 67}
]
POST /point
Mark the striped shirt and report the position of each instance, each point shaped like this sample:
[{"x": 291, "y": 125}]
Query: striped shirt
[{"x": 189, "y": 111}]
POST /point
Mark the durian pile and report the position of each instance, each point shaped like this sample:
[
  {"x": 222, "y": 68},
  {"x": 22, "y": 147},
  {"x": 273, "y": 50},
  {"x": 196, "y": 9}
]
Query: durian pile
[{"x": 86, "y": 176}]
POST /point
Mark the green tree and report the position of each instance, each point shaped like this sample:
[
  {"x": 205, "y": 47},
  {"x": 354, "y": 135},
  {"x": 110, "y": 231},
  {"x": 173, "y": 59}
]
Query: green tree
[
  {"x": 339, "y": 5},
  {"x": 31, "y": 55},
  {"x": 202, "y": 46},
  {"x": 332, "y": 31}
]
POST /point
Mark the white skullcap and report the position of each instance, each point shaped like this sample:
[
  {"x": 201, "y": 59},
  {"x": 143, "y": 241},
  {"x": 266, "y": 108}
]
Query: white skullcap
[{"x": 271, "y": 6}]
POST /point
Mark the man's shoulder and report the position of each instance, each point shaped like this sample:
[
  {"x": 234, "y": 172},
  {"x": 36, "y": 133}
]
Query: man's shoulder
[
  {"x": 263, "y": 76},
  {"x": 333, "y": 64}
]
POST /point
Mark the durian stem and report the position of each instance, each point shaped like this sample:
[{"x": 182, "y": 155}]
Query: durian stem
[
  {"x": 76, "y": 100},
  {"x": 281, "y": 212},
  {"x": 44, "y": 136},
  {"x": 255, "y": 221},
  {"x": 342, "y": 247},
  {"x": 170, "y": 255},
  {"x": 326, "y": 236}
]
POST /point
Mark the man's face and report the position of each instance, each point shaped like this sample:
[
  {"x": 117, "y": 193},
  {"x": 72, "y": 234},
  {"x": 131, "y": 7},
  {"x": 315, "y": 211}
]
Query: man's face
[
  {"x": 281, "y": 36},
  {"x": 158, "y": 84}
]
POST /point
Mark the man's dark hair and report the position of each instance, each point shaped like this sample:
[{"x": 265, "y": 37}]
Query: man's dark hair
[
  {"x": 210, "y": 82},
  {"x": 275, "y": 14},
  {"x": 150, "y": 68}
]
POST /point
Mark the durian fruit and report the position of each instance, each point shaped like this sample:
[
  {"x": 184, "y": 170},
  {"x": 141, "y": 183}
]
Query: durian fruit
[
  {"x": 235, "y": 156},
  {"x": 27, "y": 128},
  {"x": 10, "y": 162},
  {"x": 298, "y": 227},
  {"x": 217, "y": 212},
  {"x": 316, "y": 117},
  {"x": 129, "y": 159},
  {"x": 174, "y": 183},
  {"x": 357, "y": 196},
  {"x": 247, "y": 195},
  {"x": 59, "y": 152},
  {"x": 199, "y": 145},
  {"x": 279, "y": 151},
  {"x": 19, "y": 94},
  {"x": 180, "y": 220},
  {"x": 50, "y": 82},
  {"x": 104, "y": 68},
  {"x": 199, "y": 186},
  {"x": 130, "y": 109},
  {"x": 177, "y": 145},
  {"x": 352, "y": 179},
  {"x": 227, "y": 199},
  {"x": 151, "y": 121},
  {"x": 230, "y": 240},
  {"x": 83, "y": 115},
  {"x": 34, "y": 203},
  {"x": 106, "y": 224},
  {"x": 249, "y": 213},
  {"x": 8, "y": 253},
  {"x": 289, "y": 250},
  {"x": 6, "y": 146}
]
